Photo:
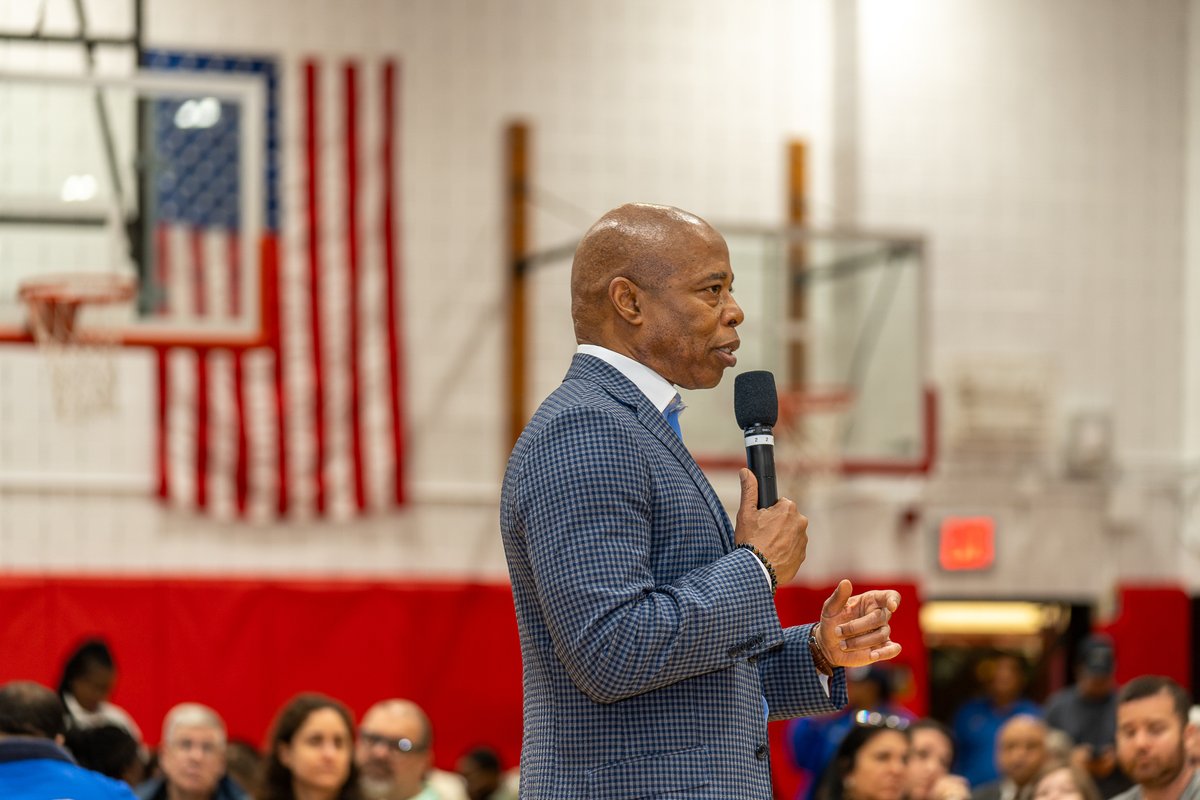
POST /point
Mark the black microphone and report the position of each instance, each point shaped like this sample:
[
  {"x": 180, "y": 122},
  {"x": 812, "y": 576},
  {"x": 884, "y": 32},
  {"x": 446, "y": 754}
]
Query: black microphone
[{"x": 756, "y": 407}]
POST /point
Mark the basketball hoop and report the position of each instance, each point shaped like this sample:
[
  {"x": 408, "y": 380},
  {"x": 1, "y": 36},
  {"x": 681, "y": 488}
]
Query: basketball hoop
[
  {"x": 76, "y": 321},
  {"x": 809, "y": 435}
]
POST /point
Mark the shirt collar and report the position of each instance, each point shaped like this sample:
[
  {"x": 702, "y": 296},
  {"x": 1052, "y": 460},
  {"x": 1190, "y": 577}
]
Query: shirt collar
[{"x": 658, "y": 390}]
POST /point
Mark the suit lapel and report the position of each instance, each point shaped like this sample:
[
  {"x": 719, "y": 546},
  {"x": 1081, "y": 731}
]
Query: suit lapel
[{"x": 623, "y": 390}]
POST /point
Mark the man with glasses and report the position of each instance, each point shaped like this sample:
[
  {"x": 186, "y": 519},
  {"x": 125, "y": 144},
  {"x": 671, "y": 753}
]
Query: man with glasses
[
  {"x": 394, "y": 754},
  {"x": 192, "y": 758}
]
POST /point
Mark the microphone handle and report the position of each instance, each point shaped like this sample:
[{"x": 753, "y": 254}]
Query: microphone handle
[{"x": 760, "y": 458}]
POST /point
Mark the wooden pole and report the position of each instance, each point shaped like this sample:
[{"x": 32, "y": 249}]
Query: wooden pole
[
  {"x": 797, "y": 217},
  {"x": 517, "y": 194}
]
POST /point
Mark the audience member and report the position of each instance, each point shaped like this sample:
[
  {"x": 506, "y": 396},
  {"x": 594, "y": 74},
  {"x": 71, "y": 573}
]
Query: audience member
[
  {"x": 1065, "y": 781},
  {"x": 1020, "y": 756},
  {"x": 1194, "y": 747},
  {"x": 1153, "y": 735},
  {"x": 394, "y": 754},
  {"x": 33, "y": 764},
  {"x": 87, "y": 681},
  {"x": 869, "y": 764},
  {"x": 244, "y": 764},
  {"x": 1087, "y": 712},
  {"x": 192, "y": 758},
  {"x": 812, "y": 741},
  {"x": 930, "y": 756},
  {"x": 978, "y": 720},
  {"x": 484, "y": 776},
  {"x": 309, "y": 752},
  {"x": 109, "y": 750}
]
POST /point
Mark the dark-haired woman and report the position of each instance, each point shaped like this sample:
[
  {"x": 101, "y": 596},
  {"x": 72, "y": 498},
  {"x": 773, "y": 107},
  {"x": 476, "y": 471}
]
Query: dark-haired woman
[
  {"x": 87, "y": 681},
  {"x": 870, "y": 764},
  {"x": 309, "y": 755}
]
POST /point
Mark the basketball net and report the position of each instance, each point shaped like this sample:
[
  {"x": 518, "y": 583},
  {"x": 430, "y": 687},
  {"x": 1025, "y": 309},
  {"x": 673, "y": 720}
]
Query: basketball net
[
  {"x": 76, "y": 322},
  {"x": 809, "y": 439}
]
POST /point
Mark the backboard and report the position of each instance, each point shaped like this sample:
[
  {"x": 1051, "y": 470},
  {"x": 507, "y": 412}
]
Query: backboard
[
  {"x": 155, "y": 175},
  {"x": 837, "y": 316}
]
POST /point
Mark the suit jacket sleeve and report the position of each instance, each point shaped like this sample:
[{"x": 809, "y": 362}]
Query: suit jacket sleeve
[
  {"x": 586, "y": 496},
  {"x": 790, "y": 682}
]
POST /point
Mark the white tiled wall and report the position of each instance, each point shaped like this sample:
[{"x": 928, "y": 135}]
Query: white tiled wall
[{"x": 1041, "y": 147}]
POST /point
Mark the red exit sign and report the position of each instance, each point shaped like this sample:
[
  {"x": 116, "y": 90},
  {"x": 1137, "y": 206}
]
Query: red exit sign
[{"x": 967, "y": 543}]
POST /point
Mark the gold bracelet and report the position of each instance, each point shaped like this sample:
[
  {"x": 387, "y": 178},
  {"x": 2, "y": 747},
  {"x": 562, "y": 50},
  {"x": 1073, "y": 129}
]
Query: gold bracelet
[{"x": 820, "y": 661}]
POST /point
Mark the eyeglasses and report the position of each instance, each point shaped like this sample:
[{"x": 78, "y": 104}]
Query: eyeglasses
[
  {"x": 878, "y": 720},
  {"x": 402, "y": 745}
]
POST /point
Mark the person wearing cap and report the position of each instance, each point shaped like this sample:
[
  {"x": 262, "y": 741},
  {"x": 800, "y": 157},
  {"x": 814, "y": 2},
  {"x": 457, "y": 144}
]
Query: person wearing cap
[{"x": 1087, "y": 712}]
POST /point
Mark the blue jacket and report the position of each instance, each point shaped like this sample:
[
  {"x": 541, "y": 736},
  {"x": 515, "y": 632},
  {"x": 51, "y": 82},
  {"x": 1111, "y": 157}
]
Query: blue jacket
[
  {"x": 649, "y": 642},
  {"x": 38, "y": 769}
]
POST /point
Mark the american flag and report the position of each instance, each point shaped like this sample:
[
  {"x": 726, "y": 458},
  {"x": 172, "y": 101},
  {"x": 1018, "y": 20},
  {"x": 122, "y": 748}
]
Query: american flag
[{"x": 313, "y": 424}]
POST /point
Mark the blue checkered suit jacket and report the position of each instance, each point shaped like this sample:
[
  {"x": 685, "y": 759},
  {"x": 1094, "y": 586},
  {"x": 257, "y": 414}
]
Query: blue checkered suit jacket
[{"x": 648, "y": 640}]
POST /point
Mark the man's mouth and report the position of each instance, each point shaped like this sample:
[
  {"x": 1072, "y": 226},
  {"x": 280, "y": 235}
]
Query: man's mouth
[{"x": 726, "y": 354}]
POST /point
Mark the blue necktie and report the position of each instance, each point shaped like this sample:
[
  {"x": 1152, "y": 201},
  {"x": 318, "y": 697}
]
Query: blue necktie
[{"x": 672, "y": 412}]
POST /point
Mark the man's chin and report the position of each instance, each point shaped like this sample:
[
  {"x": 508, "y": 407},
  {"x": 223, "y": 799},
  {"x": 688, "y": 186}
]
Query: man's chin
[{"x": 375, "y": 788}]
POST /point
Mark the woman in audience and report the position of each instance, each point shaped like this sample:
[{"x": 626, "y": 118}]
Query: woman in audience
[
  {"x": 87, "y": 681},
  {"x": 929, "y": 758},
  {"x": 309, "y": 752},
  {"x": 1064, "y": 781},
  {"x": 870, "y": 764}
]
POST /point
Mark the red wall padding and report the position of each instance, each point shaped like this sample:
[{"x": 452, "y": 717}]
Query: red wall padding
[
  {"x": 246, "y": 646},
  {"x": 1152, "y": 633}
]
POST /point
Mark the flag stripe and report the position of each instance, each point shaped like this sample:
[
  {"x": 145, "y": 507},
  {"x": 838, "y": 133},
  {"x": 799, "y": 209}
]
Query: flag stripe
[
  {"x": 352, "y": 241},
  {"x": 314, "y": 275},
  {"x": 202, "y": 428},
  {"x": 164, "y": 399},
  {"x": 391, "y": 270}
]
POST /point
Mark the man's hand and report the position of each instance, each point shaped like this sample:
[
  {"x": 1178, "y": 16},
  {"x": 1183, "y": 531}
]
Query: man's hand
[
  {"x": 780, "y": 532},
  {"x": 855, "y": 631}
]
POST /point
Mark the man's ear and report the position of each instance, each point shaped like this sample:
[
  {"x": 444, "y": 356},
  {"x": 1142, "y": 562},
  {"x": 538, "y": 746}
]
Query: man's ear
[{"x": 626, "y": 298}]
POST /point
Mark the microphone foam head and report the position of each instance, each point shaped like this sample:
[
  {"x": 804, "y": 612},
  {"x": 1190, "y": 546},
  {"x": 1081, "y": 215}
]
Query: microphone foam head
[{"x": 754, "y": 399}]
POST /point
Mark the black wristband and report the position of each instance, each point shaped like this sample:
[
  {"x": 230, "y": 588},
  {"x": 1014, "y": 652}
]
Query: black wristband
[{"x": 765, "y": 562}]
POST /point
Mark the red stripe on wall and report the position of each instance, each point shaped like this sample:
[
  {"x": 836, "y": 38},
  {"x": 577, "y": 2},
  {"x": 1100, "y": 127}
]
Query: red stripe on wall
[
  {"x": 391, "y": 271},
  {"x": 351, "y": 136},
  {"x": 314, "y": 275}
]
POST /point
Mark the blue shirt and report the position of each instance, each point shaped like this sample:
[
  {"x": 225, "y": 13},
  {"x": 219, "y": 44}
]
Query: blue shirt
[
  {"x": 975, "y": 727},
  {"x": 38, "y": 769}
]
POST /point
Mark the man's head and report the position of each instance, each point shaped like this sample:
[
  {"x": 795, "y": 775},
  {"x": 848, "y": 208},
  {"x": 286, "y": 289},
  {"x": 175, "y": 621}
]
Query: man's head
[
  {"x": 1152, "y": 730},
  {"x": 654, "y": 283},
  {"x": 1095, "y": 667},
  {"x": 192, "y": 755},
  {"x": 1005, "y": 678},
  {"x": 394, "y": 749},
  {"x": 1021, "y": 748},
  {"x": 481, "y": 770},
  {"x": 30, "y": 709}
]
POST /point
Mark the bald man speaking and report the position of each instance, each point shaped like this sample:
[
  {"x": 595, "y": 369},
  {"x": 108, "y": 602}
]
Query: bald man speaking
[{"x": 653, "y": 655}]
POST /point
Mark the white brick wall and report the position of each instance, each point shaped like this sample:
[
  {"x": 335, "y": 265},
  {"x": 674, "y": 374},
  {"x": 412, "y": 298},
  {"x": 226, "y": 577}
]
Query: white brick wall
[{"x": 1041, "y": 147}]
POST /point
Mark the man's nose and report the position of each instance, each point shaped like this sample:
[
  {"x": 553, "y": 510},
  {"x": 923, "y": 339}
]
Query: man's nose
[{"x": 733, "y": 313}]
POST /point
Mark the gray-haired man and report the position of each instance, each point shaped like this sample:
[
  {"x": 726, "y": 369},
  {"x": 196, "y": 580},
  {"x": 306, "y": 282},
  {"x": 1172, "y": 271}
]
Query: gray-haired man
[{"x": 192, "y": 758}]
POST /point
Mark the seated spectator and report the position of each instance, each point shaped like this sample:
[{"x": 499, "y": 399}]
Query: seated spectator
[
  {"x": 191, "y": 758},
  {"x": 1152, "y": 738},
  {"x": 1194, "y": 748},
  {"x": 1087, "y": 712},
  {"x": 394, "y": 754},
  {"x": 109, "y": 750},
  {"x": 484, "y": 775},
  {"x": 812, "y": 741},
  {"x": 1065, "y": 781},
  {"x": 87, "y": 681},
  {"x": 978, "y": 721},
  {"x": 930, "y": 756},
  {"x": 309, "y": 752},
  {"x": 869, "y": 765},
  {"x": 33, "y": 764},
  {"x": 243, "y": 763},
  {"x": 1020, "y": 756}
]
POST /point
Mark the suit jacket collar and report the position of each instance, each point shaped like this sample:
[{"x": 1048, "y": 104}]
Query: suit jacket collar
[{"x": 623, "y": 390}]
